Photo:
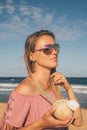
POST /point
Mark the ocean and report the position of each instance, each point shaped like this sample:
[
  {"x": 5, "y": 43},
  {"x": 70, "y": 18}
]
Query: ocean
[{"x": 79, "y": 84}]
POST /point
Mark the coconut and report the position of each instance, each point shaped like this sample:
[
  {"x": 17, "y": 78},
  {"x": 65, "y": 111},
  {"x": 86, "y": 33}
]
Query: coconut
[{"x": 65, "y": 108}]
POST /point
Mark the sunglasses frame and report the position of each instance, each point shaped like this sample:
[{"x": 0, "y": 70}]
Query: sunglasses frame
[{"x": 49, "y": 48}]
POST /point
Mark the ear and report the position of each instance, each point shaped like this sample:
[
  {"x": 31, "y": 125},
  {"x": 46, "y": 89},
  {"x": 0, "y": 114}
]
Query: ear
[{"x": 32, "y": 56}]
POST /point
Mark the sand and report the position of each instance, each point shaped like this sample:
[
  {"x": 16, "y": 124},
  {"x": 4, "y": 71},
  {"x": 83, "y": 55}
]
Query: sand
[{"x": 84, "y": 113}]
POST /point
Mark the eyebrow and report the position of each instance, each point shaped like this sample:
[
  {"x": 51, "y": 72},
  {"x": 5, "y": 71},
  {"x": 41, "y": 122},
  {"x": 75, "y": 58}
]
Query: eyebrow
[{"x": 49, "y": 44}]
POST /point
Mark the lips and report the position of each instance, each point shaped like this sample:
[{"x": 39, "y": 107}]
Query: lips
[{"x": 53, "y": 58}]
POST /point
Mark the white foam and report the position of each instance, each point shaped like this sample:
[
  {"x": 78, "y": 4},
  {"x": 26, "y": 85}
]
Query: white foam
[
  {"x": 10, "y": 89},
  {"x": 11, "y": 86},
  {"x": 78, "y": 88},
  {"x": 8, "y": 85}
]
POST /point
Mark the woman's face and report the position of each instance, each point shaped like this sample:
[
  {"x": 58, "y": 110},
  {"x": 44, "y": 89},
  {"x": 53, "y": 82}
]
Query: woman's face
[{"x": 45, "y": 60}]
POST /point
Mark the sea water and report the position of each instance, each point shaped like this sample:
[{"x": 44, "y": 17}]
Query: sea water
[{"x": 79, "y": 84}]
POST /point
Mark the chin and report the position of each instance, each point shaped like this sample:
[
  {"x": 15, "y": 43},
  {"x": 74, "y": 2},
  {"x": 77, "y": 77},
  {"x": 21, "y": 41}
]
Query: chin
[{"x": 54, "y": 65}]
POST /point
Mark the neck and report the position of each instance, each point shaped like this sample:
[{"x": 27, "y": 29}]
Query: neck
[{"x": 41, "y": 78}]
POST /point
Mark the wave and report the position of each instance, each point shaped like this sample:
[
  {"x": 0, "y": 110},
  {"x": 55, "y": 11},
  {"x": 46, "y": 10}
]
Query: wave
[
  {"x": 5, "y": 89},
  {"x": 11, "y": 86},
  {"x": 8, "y": 85},
  {"x": 78, "y": 88}
]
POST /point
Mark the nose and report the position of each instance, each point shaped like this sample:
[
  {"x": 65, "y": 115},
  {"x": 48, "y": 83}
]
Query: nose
[{"x": 54, "y": 50}]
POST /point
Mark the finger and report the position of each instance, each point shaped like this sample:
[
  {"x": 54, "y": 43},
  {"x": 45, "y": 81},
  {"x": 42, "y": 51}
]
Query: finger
[
  {"x": 58, "y": 81},
  {"x": 64, "y": 123},
  {"x": 52, "y": 75},
  {"x": 57, "y": 75},
  {"x": 69, "y": 121},
  {"x": 61, "y": 79}
]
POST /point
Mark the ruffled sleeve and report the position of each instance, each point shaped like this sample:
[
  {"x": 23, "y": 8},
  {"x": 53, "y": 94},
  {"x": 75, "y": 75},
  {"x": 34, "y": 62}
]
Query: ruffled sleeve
[{"x": 17, "y": 110}]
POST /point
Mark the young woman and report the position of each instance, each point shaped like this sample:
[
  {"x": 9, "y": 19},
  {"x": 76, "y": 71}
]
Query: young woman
[{"x": 30, "y": 104}]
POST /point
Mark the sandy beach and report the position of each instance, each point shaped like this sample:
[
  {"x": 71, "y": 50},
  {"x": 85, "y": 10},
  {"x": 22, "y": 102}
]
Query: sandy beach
[{"x": 84, "y": 113}]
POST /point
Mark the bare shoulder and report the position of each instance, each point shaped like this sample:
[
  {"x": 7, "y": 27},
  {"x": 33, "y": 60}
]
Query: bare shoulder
[{"x": 25, "y": 87}]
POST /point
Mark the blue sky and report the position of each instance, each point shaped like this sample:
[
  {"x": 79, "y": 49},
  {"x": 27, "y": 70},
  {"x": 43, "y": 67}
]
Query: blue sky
[{"x": 66, "y": 18}]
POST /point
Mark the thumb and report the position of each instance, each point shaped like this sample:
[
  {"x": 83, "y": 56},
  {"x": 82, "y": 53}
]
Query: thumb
[{"x": 52, "y": 75}]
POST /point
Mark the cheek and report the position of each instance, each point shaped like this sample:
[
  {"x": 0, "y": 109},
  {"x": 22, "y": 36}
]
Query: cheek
[
  {"x": 40, "y": 57},
  {"x": 45, "y": 62},
  {"x": 42, "y": 60}
]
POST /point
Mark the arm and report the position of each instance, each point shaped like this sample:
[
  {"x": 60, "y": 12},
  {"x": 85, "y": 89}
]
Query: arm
[
  {"x": 47, "y": 121},
  {"x": 77, "y": 114},
  {"x": 60, "y": 79}
]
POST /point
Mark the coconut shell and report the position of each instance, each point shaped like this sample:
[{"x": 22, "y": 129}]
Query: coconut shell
[{"x": 62, "y": 110}]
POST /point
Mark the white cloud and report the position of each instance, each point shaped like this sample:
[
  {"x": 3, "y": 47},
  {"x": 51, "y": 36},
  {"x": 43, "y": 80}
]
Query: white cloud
[
  {"x": 10, "y": 9},
  {"x": 25, "y": 19},
  {"x": 1, "y": 8},
  {"x": 9, "y": 1},
  {"x": 24, "y": 10}
]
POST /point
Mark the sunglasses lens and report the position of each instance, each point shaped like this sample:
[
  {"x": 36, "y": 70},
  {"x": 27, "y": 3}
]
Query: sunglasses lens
[
  {"x": 57, "y": 48},
  {"x": 47, "y": 51},
  {"x": 50, "y": 48}
]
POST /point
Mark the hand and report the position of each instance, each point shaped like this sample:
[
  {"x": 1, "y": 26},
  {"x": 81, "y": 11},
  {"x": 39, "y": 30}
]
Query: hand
[
  {"x": 49, "y": 121},
  {"x": 60, "y": 79}
]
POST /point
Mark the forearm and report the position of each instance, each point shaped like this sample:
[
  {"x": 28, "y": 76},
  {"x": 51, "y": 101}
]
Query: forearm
[
  {"x": 77, "y": 114},
  {"x": 71, "y": 93},
  {"x": 39, "y": 125}
]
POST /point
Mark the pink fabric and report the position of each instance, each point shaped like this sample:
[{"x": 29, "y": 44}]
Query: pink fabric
[{"x": 23, "y": 109}]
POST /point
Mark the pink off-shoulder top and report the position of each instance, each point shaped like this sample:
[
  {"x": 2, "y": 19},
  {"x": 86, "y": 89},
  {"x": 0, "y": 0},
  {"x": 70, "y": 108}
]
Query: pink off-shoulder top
[{"x": 23, "y": 110}]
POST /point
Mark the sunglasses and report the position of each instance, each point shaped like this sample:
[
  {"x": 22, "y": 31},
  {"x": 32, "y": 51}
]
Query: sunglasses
[{"x": 48, "y": 49}]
